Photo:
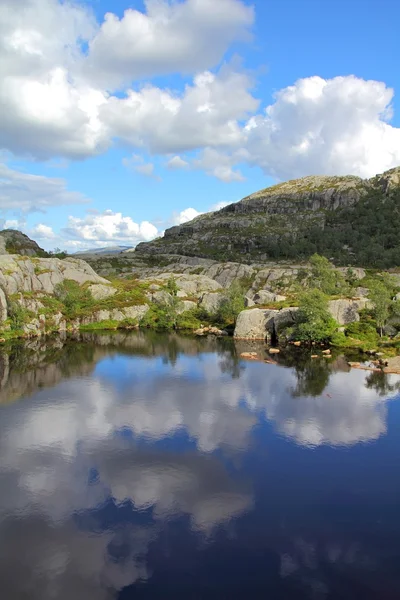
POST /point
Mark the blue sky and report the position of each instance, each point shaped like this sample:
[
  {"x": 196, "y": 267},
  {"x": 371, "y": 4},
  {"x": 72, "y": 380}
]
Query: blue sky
[{"x": 119, "y": 125}]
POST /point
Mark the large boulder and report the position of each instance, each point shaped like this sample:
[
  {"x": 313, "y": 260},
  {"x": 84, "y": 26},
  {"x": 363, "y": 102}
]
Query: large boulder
[
  {"x": 264, "y": 324},
  {"x": 346, "y": 311},
  {"x": 211, "y": 302},
  {"x": 254, "y": 324}
]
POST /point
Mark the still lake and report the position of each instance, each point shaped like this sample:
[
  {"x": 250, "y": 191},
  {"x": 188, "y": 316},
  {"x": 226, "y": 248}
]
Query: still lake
[{"x": 137, "y": 465}]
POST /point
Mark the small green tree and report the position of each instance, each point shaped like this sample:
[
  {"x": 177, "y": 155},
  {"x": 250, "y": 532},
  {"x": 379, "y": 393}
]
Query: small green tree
[
  {"x": 381, "y": 298},
  {"x": 232, "y": 304},
  {"x": 324, "y": 276},
  {"x": 314, "y": 322},
  {"x": 172, "y": 287}
]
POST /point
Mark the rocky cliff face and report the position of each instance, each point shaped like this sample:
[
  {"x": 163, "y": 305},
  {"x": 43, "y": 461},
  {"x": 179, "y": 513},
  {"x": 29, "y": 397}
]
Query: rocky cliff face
[{"x": 246, "y": 230}]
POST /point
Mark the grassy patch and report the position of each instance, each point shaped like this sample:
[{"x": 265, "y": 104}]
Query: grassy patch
[{"x": 101, "y": 325}]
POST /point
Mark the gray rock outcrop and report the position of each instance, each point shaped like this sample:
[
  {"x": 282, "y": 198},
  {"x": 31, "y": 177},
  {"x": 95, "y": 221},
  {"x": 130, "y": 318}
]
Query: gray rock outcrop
[
  {"x": 253, "y": 324},
  {"x": 211, "y": 302},
  {"x": 346, "y": 311},
  {"x": 263, "y": 324},
  {"x": 19, "y": 273},
  {"x": 264, "y": 297},
  {"x": 189, "y": 285}
]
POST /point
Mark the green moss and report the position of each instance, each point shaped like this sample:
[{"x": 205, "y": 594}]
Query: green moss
[{"x": 101, "y": 325}]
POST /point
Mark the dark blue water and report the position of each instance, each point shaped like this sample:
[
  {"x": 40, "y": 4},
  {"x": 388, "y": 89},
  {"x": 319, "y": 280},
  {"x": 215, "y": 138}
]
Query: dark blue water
[{"x": 144, "y": 466}]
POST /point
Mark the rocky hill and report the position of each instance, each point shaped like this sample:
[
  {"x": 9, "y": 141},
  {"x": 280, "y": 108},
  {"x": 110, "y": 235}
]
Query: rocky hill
[
  {"x": 355, "y": 221},
  {"x": 16, "y": 242}
]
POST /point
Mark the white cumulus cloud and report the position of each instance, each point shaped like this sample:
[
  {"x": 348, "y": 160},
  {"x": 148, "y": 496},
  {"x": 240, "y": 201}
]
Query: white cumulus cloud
[
  {"x": 109, "y": 226},
  {"x": 170, "y": 37},
  {"x": 206, "y": 113},
  {"x": 318, "y": 126},
  {"x": 49, "y": 112},
  {"x": 56, "y": 88},
  {"x": 185, "y": 215},
  {"x": 44, "y": 232}
]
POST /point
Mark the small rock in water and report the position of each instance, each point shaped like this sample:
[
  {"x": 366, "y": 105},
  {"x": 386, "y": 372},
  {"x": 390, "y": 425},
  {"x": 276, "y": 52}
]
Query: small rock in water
[{"x": 251, "y": 355}]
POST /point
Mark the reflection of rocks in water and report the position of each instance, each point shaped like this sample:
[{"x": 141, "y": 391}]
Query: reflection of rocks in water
[
  {"x": 150, "y": 343},
  {"x": 43, "y": 362},
  {"x": 216, "y": 398},
  {"x": 40, "y": 363}
]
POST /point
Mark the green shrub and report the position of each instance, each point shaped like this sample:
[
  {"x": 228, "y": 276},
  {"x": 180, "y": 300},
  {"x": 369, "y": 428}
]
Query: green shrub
[
  {"x": 18, "y": 315},
  {"x": 77, "y": 300},
  {"x": 128, "y": 323},
  {"x": 189, "y": 320},
  {"x": 314, "y": 322},
  {"x": 325, "y": 278},
  {"x": 171, "y": 286},
  {"x": 158, "y": 317},
  {"x": 232, "y": 304},
  {"x": 338, "y": 338},
  {"x": 362, "y": 331}
]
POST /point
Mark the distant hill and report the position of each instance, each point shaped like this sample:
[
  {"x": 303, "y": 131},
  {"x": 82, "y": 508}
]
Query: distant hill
[{"x": 352, "y": 220}]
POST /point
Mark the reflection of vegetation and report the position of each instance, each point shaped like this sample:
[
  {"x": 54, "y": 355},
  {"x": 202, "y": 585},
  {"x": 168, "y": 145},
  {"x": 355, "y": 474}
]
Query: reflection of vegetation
[
  {"x": 312, "y": 378},
  {"x": 379, "y": 381},
  {"x": 231, "y": 363}
]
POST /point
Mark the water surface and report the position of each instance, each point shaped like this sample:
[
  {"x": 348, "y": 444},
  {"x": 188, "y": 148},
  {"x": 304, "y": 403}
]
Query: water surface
[{"x": 157, "y": 466}]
